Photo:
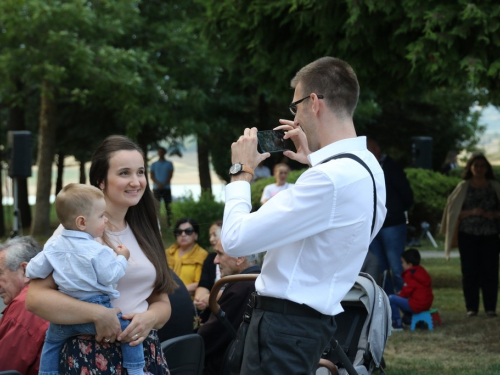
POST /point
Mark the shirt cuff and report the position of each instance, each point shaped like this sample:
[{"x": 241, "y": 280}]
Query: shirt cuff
[{"x": 239, "y": 190}]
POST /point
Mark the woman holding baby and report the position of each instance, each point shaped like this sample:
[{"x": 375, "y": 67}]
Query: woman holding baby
[{"x": 118, "y": 169}]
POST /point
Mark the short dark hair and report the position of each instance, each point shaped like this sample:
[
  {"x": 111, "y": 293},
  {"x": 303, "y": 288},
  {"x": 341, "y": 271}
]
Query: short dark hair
[
  {"x": 411, "y": 256},
  {"x": 193, "y": 223},
  {"x": 467, "y": 173},
  {"x": 335, "y": 80}
]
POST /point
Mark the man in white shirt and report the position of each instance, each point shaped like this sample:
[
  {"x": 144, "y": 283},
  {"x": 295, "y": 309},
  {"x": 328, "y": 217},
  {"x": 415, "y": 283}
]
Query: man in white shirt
[{"x": 316, "y": 233}]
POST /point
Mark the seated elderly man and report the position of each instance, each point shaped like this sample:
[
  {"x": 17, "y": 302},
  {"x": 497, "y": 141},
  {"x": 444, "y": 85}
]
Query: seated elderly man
[
  {"x": 21, "y": 332},
  {"x": 233, "y": 301}
]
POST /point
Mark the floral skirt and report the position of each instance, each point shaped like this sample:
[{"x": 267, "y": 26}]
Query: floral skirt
[{"x": 82, "y": 355}]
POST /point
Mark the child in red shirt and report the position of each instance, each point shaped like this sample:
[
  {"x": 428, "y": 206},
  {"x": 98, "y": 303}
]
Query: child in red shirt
[{"x": 416, "y": 295}]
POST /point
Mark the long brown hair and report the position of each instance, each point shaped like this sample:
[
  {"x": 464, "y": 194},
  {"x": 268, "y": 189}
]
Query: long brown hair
[
  {"x": 142, "y": 218},
  {"x": 467, "y": 173}
]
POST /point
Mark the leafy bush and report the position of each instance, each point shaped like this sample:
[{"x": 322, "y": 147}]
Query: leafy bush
[
  {"x": 205, "y": 211},
  {"x": 430, "y": 191}
]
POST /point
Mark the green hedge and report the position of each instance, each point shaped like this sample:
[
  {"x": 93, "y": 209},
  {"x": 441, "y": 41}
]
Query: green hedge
[
  {"x": 430, "y": 191},
  {"x": 205, "y": 211}
]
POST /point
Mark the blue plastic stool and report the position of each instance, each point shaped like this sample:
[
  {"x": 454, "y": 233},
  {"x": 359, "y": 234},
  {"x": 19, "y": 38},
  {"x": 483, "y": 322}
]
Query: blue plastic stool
[{"x": 426, "y": 316}]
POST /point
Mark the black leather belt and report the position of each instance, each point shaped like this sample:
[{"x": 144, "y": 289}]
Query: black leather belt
[{"x": 285, "y": 307}]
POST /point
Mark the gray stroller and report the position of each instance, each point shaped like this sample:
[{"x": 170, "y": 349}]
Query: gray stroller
[{"x": 362, "y": 329}]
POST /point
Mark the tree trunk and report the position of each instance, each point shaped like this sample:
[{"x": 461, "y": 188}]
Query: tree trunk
[
  {"x": 17, "y": 122},
  {"x": 204, "y": 165},
  {"x": 83, "y": 175},
  {"x": 60, "y": 172},
  {"x": 46, "y": 142}
]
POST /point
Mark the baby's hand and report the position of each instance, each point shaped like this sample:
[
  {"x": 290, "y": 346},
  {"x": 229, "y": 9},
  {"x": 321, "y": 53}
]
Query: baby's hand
[{"x": 122, "y": 250}]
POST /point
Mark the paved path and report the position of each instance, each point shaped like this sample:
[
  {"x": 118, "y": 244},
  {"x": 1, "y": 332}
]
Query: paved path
[{"x": 436, "y": 253}]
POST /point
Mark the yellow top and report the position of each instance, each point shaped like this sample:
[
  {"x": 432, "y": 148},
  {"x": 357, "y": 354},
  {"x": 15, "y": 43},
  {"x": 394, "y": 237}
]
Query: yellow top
[{"x": 189, "y": 266}]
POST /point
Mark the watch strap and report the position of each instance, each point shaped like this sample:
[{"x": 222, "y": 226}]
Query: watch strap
[{"x": 244, "y": 168}]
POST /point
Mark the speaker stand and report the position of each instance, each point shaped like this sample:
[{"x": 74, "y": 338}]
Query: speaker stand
[{"x": 15, "y": 229}]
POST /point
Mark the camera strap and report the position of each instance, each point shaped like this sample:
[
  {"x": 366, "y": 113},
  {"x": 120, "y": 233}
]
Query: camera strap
[{"x": 356, "y": 158}]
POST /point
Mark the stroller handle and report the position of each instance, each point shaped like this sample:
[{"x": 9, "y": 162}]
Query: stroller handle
[{"x": 212, "y": 300}]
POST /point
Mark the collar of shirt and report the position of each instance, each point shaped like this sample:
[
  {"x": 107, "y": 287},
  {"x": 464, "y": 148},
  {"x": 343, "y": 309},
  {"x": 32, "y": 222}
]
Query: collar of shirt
[
  {"x": 76, "y": 233},
  {"x": 252, "y": 269},
  {"x": 335, "y": 148}
]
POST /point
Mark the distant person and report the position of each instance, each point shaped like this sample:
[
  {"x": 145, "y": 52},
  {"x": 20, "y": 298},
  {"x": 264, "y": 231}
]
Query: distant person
[
  {"x": 416, "y": 295},
  {"x": 21, "y": 332},
  {"x": 162, "y": 172},
  {"x": 185, "y": 257},
  {"x": 233, "y": 302},
  {"x": 83, "y": 269},
  {"x": 210, "y": 273},
  {"x": 450, "y": 162},
  {"x": 261, "y": 172},
  {"x": 470, "y": 221},
  {"x": 390, "y": 242},
  {"x": 281, "y": 171}
]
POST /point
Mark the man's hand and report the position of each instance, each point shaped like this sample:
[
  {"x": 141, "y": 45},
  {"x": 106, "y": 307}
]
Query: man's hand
[
  {"x": 244, "y": 151},
  {"x": 297, "y": 135}
]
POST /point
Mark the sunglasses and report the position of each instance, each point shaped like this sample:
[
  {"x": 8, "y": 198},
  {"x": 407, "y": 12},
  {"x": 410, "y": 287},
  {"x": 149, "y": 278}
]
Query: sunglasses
[{"x": 188, "y": 231}]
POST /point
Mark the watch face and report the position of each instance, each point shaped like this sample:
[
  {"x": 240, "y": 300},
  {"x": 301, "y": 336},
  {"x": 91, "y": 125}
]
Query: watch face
[{"x": 235, "y": 168}]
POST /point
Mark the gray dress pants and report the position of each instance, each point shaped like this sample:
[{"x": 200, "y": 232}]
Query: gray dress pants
[{"x": 285, "y": 344}]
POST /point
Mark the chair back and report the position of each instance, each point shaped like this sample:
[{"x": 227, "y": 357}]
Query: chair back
[{"x": 185, "y": 355}]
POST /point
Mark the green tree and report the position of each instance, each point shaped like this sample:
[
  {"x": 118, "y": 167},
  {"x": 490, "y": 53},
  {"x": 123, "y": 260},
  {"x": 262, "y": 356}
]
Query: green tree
[
  {"x": 265, "y": 43},
  {"x": 66, "y": 49}
]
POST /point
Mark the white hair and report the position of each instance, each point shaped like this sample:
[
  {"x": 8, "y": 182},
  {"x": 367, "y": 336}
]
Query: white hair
[{"x": 19, "y": 250}]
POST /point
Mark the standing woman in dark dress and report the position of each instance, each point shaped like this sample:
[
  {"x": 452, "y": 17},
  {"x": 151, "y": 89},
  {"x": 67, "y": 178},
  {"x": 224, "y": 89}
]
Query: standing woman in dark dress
[
  {"x": 472, "y": 216},
  {"x": 118, "y": 170}
]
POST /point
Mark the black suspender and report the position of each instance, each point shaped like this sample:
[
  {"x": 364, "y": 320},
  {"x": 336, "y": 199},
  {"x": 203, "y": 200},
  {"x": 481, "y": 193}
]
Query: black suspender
[{"x": 356, "y": 158}]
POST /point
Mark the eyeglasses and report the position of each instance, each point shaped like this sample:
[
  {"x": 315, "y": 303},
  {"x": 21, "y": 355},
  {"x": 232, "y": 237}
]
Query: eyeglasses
[
  {"x": 188, "y": 231},
  {"x": 293, "y": 106}
]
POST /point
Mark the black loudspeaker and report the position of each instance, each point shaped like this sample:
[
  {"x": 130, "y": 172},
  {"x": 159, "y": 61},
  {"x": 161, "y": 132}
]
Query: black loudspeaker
[
  {"x": 421, "y": 152},
  {"x": 19, "y": 153}
]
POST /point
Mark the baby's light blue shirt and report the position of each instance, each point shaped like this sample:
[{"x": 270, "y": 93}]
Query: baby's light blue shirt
[{"x": 82, "y": 268}]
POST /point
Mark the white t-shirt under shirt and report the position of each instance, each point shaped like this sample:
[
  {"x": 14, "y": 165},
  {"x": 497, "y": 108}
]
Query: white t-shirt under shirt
[
  {"x": 140, "y": 275},
  {"x": 273, "y": 189}
]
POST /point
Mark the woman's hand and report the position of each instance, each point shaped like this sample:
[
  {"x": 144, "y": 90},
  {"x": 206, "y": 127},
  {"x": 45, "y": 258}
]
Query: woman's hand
[
  {"x": 140, "y": 326},
  {"x": 107, "y": 324},
  {"x": 297, "y": 135},
  {"x": 201, "y": 298}
]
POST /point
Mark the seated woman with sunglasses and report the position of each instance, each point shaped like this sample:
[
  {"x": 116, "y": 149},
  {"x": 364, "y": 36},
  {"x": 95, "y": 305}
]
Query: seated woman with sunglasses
[{"x": 186, "y": 257}]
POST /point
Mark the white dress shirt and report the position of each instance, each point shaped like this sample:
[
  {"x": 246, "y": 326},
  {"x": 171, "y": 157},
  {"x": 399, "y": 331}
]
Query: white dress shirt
[{"x": 316, "y": 233}]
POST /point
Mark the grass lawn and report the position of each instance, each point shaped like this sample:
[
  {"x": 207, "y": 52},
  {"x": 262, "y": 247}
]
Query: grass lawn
[{"x": 460, "y": 346}]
